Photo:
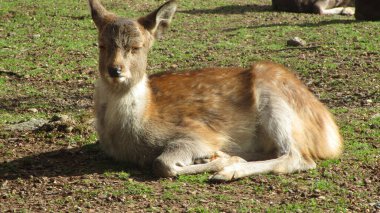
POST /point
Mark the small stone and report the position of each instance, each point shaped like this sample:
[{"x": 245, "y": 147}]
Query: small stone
[
  {"x": 369, "y": 101},
  {"x": 62, "y": 118},
  {"x": 13, "y": 139},
  {"x": 122, "y": 198},
  {"x": 377, "y": 205},
  {"x": 376, "y": 116},
  {"x": 367, "y": 181},
  {"x": 33, "y": 110},
  {"x": 174, "y": 66},
  {"x": 69, "y": 129},
  {"x": 78, "y": 208},
  {"x": 36, "y": 36},
  {"x": 322, "y": 197},
  {"x": 102, "y": 196},
  {"x": 4, "y": 184},
  {"x": 295, "y": 42},
  {"x": 11, "y": 34}
]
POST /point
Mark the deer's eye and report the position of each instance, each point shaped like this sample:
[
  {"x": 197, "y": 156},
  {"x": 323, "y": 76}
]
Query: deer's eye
[{"x": 135, "y": 49}]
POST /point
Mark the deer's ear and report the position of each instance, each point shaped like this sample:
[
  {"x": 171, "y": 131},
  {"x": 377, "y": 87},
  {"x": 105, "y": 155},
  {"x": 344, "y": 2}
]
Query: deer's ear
[
  {"x": 158, "y": 21},
  {"x": 99, "y": 14}
]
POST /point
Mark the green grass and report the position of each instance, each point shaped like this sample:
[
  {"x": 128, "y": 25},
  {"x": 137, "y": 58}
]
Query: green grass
[{"x": 133, "y": 188}]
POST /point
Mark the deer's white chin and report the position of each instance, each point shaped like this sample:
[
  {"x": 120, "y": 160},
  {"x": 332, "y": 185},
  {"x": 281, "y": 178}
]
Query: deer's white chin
[
  {"x": 121, "y": 79},
  {"x": 118, "y": 84},
  {"x": 118, "y": 80}
]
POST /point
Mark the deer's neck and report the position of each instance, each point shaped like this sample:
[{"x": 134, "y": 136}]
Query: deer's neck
[
  {"x": 123, "y": 111},
  {"x": 122, "y": 122},
  {"x": 132, "y": 106}
]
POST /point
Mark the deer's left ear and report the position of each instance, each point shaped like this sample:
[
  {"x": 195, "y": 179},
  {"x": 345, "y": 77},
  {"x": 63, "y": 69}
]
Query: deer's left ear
[
  {"x": 99, "y": 14},
  {"x": 158, "y": 21}
]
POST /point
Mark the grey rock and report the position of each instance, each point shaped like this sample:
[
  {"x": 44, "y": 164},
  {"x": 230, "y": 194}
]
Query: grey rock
[
  {"x": 30, "y": 125},
  {"x": 33, "y": 110},
  {"x": 36, "y": 36},
  {"x": 295, "y": 42}
]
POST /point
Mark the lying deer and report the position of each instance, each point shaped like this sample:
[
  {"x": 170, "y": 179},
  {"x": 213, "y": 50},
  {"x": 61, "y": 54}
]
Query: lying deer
[
  {"x": 235, "y": 122},
  {"x": 323, "y": 7},
  {"x": 367, "y": 10}
]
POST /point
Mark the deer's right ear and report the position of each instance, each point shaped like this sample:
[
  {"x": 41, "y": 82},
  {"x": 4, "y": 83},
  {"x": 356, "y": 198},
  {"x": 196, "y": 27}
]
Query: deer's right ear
[
  {"x": 158, "y": 21},
  {"x": 99, "y": 14}
]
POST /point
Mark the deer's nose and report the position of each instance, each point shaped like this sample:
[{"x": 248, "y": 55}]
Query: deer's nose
[{"x": 114, "y": 72}]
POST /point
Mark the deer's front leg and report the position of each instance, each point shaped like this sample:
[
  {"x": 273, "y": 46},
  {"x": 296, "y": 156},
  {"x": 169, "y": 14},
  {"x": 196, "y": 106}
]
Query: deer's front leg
[
  {"x": 180, "y": 157},
  {"x": 213, "y": 156}
]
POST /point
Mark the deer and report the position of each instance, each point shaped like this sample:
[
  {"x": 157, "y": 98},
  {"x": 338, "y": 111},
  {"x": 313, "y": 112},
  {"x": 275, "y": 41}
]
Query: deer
[
  {"x": 322, "y": 7},
  {"x": 231, "y": 122},
  {"x": 367, "y": 10}
]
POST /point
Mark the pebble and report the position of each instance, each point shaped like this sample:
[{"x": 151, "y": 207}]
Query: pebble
[
  {"x": 69, "y": 129},
  {"x": 63, "y": 118},
  {"x": 36, "y": 36},
  {"x": 4, "y": 184},
  {"x": 295, "y": 42},
  {"x": 11, "y": 34},
  {"x": 376, "y": 116},
  {"x": 33, "y": 110},
  {"x": 367, "y": 181}
]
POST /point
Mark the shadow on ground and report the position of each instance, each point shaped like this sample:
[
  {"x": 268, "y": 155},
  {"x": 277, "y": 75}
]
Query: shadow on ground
[
  {"x": 85, "y": 160},
  {"x": 305, "y": 24},
  {"x": 60, "y": 101},
  {"x": 231, "y": 9}
]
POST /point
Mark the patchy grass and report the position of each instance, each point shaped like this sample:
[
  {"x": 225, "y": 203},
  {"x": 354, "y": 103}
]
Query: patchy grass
[{"x": 48, "y": 62}]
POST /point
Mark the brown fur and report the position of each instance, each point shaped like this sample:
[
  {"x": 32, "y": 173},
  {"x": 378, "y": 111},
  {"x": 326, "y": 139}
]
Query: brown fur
[{"x": 171, "y": 121}]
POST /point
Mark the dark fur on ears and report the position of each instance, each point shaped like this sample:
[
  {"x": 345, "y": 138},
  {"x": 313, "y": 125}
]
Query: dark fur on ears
[
  {"x": 158, "y": 21},
  {"x": 99, "y": 14}
]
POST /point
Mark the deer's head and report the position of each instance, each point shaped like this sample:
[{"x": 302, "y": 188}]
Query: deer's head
[{"x": 124, "y": 43}]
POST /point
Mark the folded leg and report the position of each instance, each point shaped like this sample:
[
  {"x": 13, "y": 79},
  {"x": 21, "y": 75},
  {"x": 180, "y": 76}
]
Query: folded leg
[
  {"x": 285, "y": 164},
  {"x": 179, "y": 157}
]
